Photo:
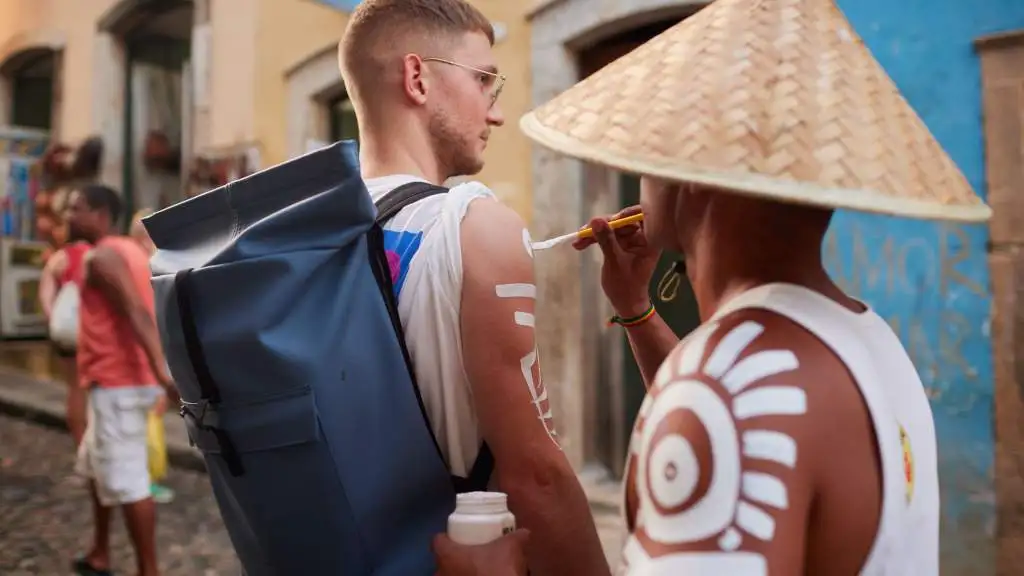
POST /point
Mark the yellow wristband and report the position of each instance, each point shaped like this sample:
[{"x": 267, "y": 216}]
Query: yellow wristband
[{"x": 635, "y": 320}]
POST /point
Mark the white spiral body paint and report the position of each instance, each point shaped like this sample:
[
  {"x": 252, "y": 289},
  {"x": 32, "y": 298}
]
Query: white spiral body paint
[
  {"x": 715, "y": 511},
  {"x": 691, "y": 353},
  {"x": 538, "y": 392},
  {"x": 739, "y": 502}
]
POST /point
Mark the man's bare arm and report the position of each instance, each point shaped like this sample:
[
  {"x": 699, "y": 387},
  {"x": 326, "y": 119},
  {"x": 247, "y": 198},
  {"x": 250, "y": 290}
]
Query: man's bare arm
[
  {"x": 651, "y": 343},
  {"x": 53, "y": 268},
  {"x": 510, "y": 397},
  {"x": 107, "y": 272}
]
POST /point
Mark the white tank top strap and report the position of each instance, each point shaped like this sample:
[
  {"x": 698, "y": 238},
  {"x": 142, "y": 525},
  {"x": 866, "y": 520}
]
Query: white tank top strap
[{"x": 426, "y": 240}]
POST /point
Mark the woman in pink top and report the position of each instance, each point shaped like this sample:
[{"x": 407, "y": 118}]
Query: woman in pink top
[{"x": 62, "y": 267}]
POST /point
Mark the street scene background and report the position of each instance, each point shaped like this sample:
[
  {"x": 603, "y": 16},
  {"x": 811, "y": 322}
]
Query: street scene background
[{"x": 165, "y": 99}]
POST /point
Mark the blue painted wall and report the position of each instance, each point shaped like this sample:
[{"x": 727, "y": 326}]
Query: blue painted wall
[{"x": 930, "y": 280}]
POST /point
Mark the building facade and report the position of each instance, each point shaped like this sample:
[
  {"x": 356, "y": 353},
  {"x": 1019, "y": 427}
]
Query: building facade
[{"x": 188, "y": 94}]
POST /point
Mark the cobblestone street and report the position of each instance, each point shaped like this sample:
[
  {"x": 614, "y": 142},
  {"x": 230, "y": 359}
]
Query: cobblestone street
[{"x": 45, "y": 519}]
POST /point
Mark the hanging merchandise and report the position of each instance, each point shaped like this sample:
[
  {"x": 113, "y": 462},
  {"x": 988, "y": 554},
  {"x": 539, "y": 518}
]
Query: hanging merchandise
[
  {"x": 58, "y": 171},
  {"x": 221, "y": 167},
  {"x": 21, "y": 259},
  {"x": 19, "y": 149}
]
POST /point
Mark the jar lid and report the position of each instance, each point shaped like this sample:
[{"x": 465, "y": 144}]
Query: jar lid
[{"x": 481, "y": 503}]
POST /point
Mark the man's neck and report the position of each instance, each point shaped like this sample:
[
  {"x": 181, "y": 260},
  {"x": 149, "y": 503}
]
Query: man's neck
[
  {"x": 398, "y": 155},
  {"x": 720, "y": 273}
]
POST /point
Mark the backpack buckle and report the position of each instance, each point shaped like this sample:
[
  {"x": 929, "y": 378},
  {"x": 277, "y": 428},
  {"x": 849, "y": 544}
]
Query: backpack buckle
[{"x": 202, "y": 417}]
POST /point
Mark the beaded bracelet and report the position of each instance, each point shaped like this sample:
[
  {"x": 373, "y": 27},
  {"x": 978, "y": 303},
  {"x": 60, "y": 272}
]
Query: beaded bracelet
[{"x": 635, "y": 320}]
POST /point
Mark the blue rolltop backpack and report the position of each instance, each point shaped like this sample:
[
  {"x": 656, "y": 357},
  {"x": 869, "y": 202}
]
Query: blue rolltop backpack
[{"x": 279, "y": 320}]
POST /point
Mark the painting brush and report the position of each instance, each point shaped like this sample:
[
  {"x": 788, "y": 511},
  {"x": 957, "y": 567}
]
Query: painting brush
[{"x": 586, "y": 232}]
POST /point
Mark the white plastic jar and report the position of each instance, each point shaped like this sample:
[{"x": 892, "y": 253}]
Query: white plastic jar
[{"x": 479, "y": 518}]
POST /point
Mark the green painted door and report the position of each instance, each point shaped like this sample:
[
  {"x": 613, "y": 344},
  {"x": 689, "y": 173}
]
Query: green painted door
[
  {"x": 675, "y": 303},
  {"x": 343, "y": 120}
]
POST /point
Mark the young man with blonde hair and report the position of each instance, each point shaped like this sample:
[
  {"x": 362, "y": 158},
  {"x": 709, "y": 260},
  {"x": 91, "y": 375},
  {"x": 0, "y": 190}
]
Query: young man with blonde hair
[{"x": 424, "y": 82}]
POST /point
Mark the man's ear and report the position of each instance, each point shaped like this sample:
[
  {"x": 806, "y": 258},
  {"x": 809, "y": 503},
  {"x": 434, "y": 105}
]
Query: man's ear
[{"x": 414, "y": 81}]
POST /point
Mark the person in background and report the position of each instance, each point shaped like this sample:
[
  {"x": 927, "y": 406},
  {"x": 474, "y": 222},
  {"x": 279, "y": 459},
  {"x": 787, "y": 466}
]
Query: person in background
[
  {"x": 161, "y": 494},
  {"x": 121, "y": 363},
  {"x": 65, "y": 266}
]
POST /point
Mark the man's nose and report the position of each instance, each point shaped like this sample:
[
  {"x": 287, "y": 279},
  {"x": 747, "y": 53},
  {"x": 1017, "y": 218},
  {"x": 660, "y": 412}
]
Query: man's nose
[{"x": 494, "y": 116}]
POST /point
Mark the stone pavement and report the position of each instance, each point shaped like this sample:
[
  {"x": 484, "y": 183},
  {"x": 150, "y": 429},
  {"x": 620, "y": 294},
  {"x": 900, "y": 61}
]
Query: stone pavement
[
  {"x": 45, "y": 519},
  {"x": 49, "y": 520}
]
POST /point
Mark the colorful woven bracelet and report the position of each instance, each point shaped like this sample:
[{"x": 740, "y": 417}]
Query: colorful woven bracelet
[{"x": 635, "y": 320}]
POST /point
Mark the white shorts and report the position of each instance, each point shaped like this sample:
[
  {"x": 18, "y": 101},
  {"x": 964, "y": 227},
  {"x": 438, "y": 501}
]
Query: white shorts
[{"x": 113, "y": 452}]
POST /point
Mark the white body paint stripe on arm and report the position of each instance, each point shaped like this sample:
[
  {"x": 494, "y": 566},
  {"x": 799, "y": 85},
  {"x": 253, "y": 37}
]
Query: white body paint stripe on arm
[
  {"x": 538, "y": 393},
  {"x": 765, "y": 489},
  {"x": 516, "y": 291},
  {"x": 524, "y": 319},
  {"x": 730, "y": 348},
  {"x": 757, "y": 367},
  {"x": 770, "y": 401},
  {"x": 771, "y": 446}
]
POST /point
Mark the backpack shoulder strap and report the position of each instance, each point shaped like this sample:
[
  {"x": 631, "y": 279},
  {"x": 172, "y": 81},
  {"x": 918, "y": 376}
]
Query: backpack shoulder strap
[
  {"x": 392, "y": 203},
  {"x": 387, "y": 207}
]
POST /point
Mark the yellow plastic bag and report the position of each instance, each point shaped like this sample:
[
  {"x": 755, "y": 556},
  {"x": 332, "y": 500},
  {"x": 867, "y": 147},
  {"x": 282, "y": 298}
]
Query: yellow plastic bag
[{"x": 157, "y": 446}]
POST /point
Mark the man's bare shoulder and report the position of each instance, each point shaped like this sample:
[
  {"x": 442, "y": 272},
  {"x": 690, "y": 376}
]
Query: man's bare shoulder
[
  {"x": 493, "y": 237},
  {"x": 767, "y": 365},
  {"x": 730, "y": 443}
]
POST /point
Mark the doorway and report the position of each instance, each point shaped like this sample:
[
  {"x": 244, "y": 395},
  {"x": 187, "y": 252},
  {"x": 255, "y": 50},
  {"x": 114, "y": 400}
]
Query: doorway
[
  {"x": 620, "y": 388},
  {"x": 156, "y": 38},
  {"x": 342, "y": 119}
]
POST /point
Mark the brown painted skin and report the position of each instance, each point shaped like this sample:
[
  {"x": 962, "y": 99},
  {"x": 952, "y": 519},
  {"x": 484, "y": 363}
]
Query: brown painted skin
[{"x": 835, "y": 492}]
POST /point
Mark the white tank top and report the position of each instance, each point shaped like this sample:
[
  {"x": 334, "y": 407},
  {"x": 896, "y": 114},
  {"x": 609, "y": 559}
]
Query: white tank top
[
  {"x": 907, "y": 540},
  {"x": 425, "y": 253}
]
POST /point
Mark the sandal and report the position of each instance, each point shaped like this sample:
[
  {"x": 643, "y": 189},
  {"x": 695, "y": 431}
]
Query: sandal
[{"x": 82, "y": 567}]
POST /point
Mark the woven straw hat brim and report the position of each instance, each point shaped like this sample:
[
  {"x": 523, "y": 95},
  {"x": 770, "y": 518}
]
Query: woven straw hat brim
[{"x": 771, "y": 98}]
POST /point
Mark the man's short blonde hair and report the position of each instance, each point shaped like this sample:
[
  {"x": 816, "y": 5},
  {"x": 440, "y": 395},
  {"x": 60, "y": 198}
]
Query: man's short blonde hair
[{"x": 376, "y": 23}]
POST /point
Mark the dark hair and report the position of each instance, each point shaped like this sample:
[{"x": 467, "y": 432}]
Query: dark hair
[
  {"x": 100, "y": 197},
  {"x": 88, "y": 158}
]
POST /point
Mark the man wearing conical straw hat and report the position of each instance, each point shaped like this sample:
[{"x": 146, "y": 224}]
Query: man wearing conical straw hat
[{"x": 789, "y": 433}]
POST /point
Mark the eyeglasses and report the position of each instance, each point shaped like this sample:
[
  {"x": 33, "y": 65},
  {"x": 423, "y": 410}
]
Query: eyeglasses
[{"x": 497, "y": 79}]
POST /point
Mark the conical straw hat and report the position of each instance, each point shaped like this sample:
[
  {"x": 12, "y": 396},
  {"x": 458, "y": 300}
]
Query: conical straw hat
[{"x": 773, "y": 98}]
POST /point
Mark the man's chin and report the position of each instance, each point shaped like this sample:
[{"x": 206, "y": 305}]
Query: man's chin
[{"x": 470, "y": 169}]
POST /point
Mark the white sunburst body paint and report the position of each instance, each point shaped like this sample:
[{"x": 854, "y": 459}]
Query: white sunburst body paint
[
  {"x": 739, "y": 503},
  {"x": 538, "y": 392}
]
